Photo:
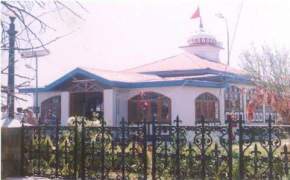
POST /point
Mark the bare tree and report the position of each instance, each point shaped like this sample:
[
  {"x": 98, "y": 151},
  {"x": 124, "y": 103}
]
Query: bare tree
[
  {"x": 30, "y": 18},
  {"x": 31, "y": 24},
  {"x": 269, "y": 69}
]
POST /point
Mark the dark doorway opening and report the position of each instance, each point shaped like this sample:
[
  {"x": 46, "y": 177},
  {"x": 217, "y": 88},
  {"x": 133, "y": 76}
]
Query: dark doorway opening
[{"x": 86, "y": 103}]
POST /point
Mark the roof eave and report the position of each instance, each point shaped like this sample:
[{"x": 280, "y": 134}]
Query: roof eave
[{"x": 117, "y": 84}]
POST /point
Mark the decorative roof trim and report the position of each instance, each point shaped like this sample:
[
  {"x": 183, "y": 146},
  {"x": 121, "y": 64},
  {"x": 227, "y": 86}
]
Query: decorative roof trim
[
  {"x": 78, "y": 71},
  {"x": 191, "y": 72},
  {"x": 110, "y": 84}
]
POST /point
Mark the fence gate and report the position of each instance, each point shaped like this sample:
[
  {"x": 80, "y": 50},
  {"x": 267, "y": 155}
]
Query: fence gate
[{"x": 204, "y": 151}]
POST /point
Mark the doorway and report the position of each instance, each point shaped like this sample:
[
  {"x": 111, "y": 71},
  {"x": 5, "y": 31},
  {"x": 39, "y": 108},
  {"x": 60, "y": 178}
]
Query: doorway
[{"x": 86, "y": 103}]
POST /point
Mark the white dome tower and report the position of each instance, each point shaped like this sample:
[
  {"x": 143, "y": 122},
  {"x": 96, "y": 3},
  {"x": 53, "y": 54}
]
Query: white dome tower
[{"x": 204, "y": 46}]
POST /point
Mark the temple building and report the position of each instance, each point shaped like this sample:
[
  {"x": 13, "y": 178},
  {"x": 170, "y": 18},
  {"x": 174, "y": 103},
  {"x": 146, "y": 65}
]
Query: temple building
[{"x": 192, "y": 84}]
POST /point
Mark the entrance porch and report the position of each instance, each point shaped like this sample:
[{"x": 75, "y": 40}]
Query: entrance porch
[{"x": 77, "y": 97}]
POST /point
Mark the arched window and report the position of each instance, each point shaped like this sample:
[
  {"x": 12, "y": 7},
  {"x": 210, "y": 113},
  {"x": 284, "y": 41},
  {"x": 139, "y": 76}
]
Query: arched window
[
  {"x": 51, "y": 111},
  {"x": 258, "y": 114},
  {"x": 234, "y": 101},
  {"x": 147, "y": 104},
  {"x": 207, "y": 105}
]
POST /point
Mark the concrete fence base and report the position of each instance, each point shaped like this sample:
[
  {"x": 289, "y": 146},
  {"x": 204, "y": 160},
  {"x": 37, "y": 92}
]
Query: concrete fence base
[{"x": 10, "y": 152}]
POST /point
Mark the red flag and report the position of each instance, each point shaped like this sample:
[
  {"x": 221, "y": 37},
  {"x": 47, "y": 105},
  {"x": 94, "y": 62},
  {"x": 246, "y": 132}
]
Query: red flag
[{"x": 196, "y": 14}]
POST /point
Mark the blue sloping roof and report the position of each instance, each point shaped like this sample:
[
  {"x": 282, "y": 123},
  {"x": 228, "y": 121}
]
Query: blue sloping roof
[{"x": 138, "y": 81}]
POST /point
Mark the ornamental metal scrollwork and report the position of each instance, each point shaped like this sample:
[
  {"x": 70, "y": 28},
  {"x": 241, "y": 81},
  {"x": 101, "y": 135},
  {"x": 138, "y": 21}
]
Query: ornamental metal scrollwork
[{"x": 150, "y": 150}]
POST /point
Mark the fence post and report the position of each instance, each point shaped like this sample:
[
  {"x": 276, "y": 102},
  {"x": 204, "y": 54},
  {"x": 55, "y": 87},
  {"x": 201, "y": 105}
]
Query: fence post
[
  {"x": 270, "y": 152},
  {"x": 177, "y": 148},
  {"x": 123, "y": 148},
  {"x": 144, "y": 149},
  {"x": 57, "y": 148},
  {"x": 285, "y": 159},
  {"x": 113, "y": 155},
  {"x": 76, "y": 148},
  {"x": 153, "y": 173},
  {"x": 103, "y": 148},
  {"x": 47, "y": 150},
  {"x": 66, "y": 153},
  {"x": 230, "y": 146},
  {"x": 256, "y": 160},
  {"x": 216, "y": 155},
  {"x": 202, "y": 148},
  {"x": 241, "y": 150},
  {"x": 22, "y": 149},
  {"x": 38, "y": 148},
  {"x": 83, "y": 148}
]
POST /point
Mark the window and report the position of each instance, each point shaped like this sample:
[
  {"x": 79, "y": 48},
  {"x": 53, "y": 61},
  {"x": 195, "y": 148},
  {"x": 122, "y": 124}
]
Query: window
[
  {"x": 147, "y": 104},
  {"x": 269, "y": 111},
  {"x": 51, "y": 111},
  {"x": 233, "y": 101},
  {"x": 258, "y": 115},
  {"x": 262, "y": 110},
  {"x": 207, "y": 105}
]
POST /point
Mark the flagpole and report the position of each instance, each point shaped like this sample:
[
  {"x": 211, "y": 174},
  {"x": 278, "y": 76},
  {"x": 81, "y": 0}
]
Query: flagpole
[
  {"x": 228, "y": 36},
  {"x": 197, "y": 15},
  {"x": 200, "y": 24},
  {"x": 200, "y": 21}
]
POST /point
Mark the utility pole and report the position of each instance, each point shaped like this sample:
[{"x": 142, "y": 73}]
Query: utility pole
[
  {"x": 35, "y": 54},
  {"x": 11, "y": 81}
]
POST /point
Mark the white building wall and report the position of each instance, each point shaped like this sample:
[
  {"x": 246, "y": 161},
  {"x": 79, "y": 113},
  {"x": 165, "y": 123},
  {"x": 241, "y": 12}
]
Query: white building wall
[
  {"x": 221, "y": 97},
  {"x": 116, "y": 102},
  {"x": 121, "y": 107},
  {"x": 182, "y": 100},
  {"x": 64, "y": 107},
  {"x": 109, "y": 106}
]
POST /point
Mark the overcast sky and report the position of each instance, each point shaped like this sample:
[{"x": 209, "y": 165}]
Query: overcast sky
[{"x": 118, "y": 35}]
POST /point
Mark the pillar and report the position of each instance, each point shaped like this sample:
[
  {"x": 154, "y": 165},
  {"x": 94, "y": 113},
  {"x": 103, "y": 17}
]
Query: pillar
[
  {"x": 183, "y": 105},
  {"x": 64, "y": 107},
  {"x": 109, "y": 106},
  {"x": 245, "y": 106},
  {"x": 222, "y": 106}
]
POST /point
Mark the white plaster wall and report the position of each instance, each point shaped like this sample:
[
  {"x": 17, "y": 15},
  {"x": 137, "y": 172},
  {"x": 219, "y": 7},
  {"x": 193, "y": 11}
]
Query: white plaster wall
[
  {"x": 221, "y": 97},
  {"x": 109, "y": 106},
  {"x": 64, "y": 107},
  {"x": 182, "y": 100},
  {"x": 121, "y": 106},
  {"x": 116, "y": 102}
]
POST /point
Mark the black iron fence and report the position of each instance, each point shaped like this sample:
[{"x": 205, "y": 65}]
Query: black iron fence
[{"x": 155, "y": 151}]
